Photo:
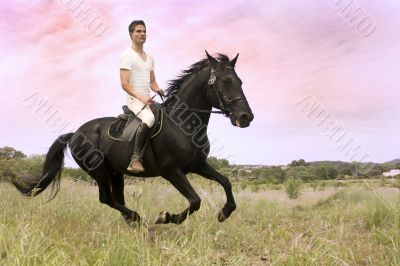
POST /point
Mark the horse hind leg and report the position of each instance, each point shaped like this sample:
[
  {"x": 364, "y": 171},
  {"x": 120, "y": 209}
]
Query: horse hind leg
[
  {"x": 117, "y": 190},
  {"x": 115, "y": 199}
]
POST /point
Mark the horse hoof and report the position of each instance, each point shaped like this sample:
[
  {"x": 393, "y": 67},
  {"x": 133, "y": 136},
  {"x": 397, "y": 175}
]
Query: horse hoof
[
  {"x": 163, "y": 218},
  {"x": 221, "y": 216}
]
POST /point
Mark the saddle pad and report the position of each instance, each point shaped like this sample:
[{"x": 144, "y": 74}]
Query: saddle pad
[{"x": 124, "y": 128}]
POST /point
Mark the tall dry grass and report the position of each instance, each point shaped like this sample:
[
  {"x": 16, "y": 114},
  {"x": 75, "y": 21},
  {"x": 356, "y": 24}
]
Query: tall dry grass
[{"x": 356, "y": 225}]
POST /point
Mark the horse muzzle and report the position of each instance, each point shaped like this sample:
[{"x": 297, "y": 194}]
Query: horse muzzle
[{"x": 242, "y": 120}]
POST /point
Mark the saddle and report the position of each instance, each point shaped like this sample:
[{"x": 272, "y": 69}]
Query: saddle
[{"x": 125, "y": 126}]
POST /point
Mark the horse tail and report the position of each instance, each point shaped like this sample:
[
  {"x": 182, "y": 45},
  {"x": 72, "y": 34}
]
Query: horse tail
[{"x": 51, "y": 172}]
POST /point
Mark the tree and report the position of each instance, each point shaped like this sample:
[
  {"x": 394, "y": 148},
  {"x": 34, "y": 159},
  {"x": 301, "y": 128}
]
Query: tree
[
  {"x": 8, "y": 158},
  {"x": 218, "y": 163},
  {"x": 8, "y": 153},
  {"x": 305, "y": 173},
  {"x": 345, "y": 169},
  {"x": 331, "y": 172},
  {"x": 376, "y": 170},
  {"x": 302, "y": 162},
  {"x": 321, "y": 172},
  {"x": 273, "y": 174}
]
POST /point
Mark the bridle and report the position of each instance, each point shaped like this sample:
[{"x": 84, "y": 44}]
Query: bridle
[{"x": 224, "y": 101}]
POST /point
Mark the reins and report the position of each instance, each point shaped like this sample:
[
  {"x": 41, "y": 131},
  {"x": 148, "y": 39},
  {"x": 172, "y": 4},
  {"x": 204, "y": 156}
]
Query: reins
[
  {"x": 188, "y": 109},
  {"x": 193, "y": 110}
]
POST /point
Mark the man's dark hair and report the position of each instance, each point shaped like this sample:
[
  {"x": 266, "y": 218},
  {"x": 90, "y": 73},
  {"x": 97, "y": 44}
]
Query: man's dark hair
[{"x": 134, "y": 24}]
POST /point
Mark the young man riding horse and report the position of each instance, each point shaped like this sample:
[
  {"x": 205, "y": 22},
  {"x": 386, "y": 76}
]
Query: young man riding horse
[
  {"x": 182, "y": 143},
  {"x": 137, "y": 78}
]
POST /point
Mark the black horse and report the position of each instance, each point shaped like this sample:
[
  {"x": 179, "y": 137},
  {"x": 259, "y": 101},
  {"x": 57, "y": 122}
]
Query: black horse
[{"x": 181, "y": 146}]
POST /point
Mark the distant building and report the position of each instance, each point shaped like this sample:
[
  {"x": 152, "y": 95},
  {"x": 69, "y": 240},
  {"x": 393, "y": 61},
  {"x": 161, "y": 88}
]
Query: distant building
[
  {"x": 250, "y": 166},
  {"x": 392, "y": 173}
]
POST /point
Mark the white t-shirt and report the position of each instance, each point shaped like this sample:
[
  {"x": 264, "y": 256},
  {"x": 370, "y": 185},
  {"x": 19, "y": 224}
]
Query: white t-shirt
[{"x": 140, "y": 70}]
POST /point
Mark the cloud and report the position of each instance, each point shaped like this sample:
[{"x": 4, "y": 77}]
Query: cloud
[{"x": 287, "y": 51}]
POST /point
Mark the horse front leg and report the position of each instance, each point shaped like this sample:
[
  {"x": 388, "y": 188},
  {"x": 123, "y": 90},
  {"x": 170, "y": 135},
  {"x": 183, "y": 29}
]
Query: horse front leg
[
  {"x": 209, "y": 172},
  {"x": 181, "y": 183}
]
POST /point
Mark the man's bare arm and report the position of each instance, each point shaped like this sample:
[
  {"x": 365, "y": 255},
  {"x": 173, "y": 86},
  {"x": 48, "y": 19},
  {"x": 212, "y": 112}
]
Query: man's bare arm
[
  {"x": 124, "y": 77},
  {"x": 153, "y": 84}
]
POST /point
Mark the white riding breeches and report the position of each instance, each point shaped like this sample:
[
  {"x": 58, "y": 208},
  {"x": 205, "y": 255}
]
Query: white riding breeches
[{"x": 145, "y": 114}]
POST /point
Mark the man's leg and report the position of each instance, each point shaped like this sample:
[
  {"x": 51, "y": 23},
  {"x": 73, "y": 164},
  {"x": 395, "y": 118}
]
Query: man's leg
[
  {"x": 140, "y": 140},
  {"x": 141, "y": 137}
]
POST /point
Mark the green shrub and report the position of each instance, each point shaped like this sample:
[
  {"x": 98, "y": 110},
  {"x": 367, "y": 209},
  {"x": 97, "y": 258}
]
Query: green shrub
[
  {"x": 6, "y": 169},
  {"x": 29, "y": 166},
  {"x": 77, "y": 174},
  {"x": 293, "y": 187}
]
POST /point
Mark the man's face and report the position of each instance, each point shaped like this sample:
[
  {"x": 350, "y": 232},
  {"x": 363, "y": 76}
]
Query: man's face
[{"x": 139, "y": 34}]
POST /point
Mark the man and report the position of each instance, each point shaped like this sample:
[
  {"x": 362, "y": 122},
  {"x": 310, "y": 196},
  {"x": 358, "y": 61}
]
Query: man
[{"x": 137, "y": 78}]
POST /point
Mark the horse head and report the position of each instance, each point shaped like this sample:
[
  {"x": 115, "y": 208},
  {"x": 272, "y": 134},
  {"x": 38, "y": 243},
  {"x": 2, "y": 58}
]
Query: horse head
[{"x": 225, "y": 92}]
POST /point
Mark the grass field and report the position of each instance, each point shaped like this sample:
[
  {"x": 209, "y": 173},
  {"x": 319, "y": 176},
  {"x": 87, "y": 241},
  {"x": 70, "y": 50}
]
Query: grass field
[{"x": 351, "y": 225}]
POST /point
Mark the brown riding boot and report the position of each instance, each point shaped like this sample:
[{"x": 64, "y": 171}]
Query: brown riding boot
[{"x": 135, "y": 165}]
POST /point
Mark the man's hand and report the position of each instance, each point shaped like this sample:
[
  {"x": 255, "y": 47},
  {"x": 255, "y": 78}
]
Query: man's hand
[
  {"x": 161, "y": 92},
  {"x": 147, "y": 100}
]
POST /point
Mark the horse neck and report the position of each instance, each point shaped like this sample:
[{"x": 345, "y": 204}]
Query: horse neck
[
  {"x": 194, "y": 93},
  {"x": 193, "y": 96}
]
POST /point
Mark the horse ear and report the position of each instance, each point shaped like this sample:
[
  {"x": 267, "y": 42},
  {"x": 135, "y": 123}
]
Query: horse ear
[
  {"x": 233, "y": 61},
  {"x": 213, "y": 61}
]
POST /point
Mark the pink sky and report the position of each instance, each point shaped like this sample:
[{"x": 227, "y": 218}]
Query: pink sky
[{"x": 288, "y": 51}]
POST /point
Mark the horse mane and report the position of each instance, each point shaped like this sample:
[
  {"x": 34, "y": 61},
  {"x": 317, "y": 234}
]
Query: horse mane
[{"x": 175, "y": 85}]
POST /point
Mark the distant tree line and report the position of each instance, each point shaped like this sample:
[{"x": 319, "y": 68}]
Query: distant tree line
[
  {"x": 300, "y": 169},
  {"x": 14, "y": 162}
]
